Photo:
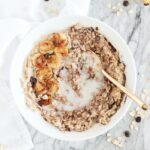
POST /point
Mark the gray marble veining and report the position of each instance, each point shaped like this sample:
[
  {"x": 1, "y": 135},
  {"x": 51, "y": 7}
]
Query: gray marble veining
[{"x": 135, "y": 29}]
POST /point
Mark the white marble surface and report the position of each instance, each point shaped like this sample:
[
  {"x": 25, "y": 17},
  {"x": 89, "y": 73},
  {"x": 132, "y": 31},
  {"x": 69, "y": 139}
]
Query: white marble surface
[{"x": 135, "y": 29}]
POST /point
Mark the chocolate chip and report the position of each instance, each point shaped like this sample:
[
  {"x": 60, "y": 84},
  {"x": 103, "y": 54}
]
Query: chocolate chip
[
  {"x": 47, "y": 55},
  {"x": 96, "y": 28},
  {"x": 33, "y": 81},
  {"x": 46, "y": 0},
  {"x": 138, "y": 119},
  {"x": 125, "y": 3},
  {"x": 127, "y": 133}
]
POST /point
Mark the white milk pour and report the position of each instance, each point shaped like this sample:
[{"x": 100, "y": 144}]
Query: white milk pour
[{"x": 89, "y": 87}]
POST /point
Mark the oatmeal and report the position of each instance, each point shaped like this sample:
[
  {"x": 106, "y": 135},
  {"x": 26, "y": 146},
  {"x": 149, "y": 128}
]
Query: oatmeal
[{"x": 62, "y": 79}]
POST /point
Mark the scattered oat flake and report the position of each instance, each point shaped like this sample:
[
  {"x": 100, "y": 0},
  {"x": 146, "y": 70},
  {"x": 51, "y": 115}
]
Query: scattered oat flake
[
  {"x": 132, "y": 113},
  {"x": 120, "y": 9},
  {"x": 116, "y": 142},
  {"x": 130, "y": 11},
  {"x": 108, "y": 134},
  {"x": 114, "y": 8},
  {"x": 119, "y": 4},
  {"x": 137, "y": 109},
  {"x": 118, "y": 13},
  {"x": 133, "y": 123},
  {"x": 143, "y": 96},
  {"x": 109, "y": 139},
  {"x": 131, "y": 126}
]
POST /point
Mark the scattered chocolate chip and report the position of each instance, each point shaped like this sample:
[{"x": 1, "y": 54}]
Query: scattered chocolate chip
[
  {"x": 46, "y": 0},
  {"x": 33, "y": 81},
  {"x": 125, "y": 3},
  {"x": 127, "y": 133},
  {"x": 138, "y": 119}
]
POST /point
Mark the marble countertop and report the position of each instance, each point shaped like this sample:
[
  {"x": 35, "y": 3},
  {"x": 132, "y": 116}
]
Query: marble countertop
[{"x": 133, "y": 25}]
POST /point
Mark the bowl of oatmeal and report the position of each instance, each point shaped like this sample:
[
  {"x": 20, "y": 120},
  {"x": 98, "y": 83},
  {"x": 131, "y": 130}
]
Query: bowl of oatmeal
[{"x": 57, "y": 75}]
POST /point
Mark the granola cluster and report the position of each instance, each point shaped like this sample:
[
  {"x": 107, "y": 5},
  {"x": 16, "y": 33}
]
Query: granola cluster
[{"x": 67, "y": 52}]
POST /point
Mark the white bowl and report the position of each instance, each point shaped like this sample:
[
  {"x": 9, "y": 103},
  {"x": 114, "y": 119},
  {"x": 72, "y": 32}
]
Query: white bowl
[{"x": 55, "y": 25}]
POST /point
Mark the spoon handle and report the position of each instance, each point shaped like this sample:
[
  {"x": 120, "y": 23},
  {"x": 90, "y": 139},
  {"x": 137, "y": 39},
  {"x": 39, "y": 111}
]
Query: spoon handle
[{"x": 142, "y": 104}]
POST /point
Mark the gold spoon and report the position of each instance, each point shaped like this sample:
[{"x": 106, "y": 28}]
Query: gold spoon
[{"x": 142, "y": 104}]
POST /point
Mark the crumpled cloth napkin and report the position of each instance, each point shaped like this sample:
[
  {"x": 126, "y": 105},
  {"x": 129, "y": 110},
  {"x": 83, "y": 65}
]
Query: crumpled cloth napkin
[
  {"x": 39, "y": 10},
  {"x": 13, "y": 132}
]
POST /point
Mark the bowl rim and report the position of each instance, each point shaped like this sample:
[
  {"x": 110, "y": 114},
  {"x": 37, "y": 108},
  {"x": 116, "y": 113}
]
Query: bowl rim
[{"x": 63, "y": 137}]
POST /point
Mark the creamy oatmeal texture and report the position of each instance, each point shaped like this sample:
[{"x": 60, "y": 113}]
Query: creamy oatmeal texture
[{"x": 62, "y": 79}]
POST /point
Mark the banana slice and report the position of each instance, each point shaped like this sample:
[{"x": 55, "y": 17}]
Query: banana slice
[
  {"x": 44, "y": 73},
  {"x": 46, "y": 46},
  {"x": 38, "y": 60},
  {"x": 54, "y": 61},
  {"x": 62, "y": 50},
  {"x": 59, "y": 40},
  {"x": 39, "y": 88},
  {"x": 52, "y": 86}
]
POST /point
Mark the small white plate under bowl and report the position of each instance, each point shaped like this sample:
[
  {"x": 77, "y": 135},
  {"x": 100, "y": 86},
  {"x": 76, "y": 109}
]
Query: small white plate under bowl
[{"x": 56, "y": 25}]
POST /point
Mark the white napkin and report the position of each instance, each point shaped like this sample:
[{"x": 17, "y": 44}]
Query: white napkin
[
  {"x": 13, "y": 132},
  {"x": 40, "y": 10}
]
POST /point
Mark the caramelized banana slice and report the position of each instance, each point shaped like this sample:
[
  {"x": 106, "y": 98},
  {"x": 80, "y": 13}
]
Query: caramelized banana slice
[
  {"x": 59, "y": 40},
  {"x": 52, "y": 86},
  {"x": 39, "y": 88},
  {"x": 54, "y": 61},
  {"x": 44, "y": 73},
  {"x": 46, "y": 46},
  {"x": 62, "y": 50},
  {"x": 38, "y": 60}
]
